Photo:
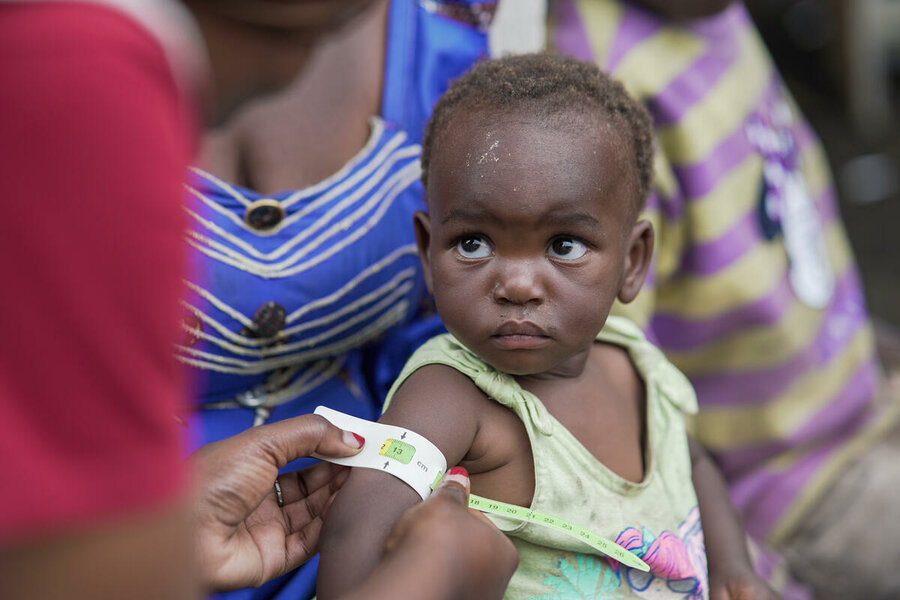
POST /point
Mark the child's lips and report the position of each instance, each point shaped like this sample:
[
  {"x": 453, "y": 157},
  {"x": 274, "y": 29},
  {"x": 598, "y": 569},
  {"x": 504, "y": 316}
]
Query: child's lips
[
  {"x": 519, "y": 335},
  {"x": 519, "y": 328}
]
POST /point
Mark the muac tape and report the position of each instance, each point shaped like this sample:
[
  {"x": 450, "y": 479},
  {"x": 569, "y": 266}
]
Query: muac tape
[
  {"x": 402, "y": 453},
  {"x": 408, "y": 456}
]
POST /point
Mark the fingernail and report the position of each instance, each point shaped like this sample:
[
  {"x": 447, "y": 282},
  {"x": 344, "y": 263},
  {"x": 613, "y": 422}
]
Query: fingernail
[
  {"x": 354, "y": 440},
  {"x": 459, "y": 475}
]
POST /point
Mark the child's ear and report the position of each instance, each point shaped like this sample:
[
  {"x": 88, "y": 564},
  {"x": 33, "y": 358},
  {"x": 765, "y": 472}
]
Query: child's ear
[
  {"x": 637, "y": 260},
  {"x": 422, "y": 227}
]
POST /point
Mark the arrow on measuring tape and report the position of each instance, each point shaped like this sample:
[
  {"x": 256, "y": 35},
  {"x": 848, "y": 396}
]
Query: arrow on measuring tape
[{"x": 520, "y": 513}]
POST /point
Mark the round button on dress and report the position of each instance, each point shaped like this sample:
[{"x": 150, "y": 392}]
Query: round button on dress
[
  {"x": 265, "y": 214},
  {"x": 268, "y": 320}
]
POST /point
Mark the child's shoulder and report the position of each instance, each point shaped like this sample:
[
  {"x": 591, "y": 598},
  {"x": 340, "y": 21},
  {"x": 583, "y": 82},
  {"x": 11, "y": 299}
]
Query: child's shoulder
[
  {"x": 618, "y": 346},
  {"x": 441, "y": 367},
  {"x": 646, "y": 360},
  {"x": 443, "y": 377},
  {"x": 451, "y": 359},
  {"x": 622, "y": 330},
  {"x": 434, "y": 398}
]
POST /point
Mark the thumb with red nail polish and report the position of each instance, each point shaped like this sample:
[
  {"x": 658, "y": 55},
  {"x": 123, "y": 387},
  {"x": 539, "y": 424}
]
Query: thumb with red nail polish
[
  {"x": 455, "y": 485},
  {"x": 477, "y": 560}
]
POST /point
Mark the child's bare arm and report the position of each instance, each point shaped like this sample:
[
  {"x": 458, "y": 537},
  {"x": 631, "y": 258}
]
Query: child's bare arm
[
  {"x": 731, "y": 573},
  {"x": 436, "y": 402}
]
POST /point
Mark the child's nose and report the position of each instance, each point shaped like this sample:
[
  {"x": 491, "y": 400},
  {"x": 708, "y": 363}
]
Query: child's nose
[{"x": 518, "y": 282}]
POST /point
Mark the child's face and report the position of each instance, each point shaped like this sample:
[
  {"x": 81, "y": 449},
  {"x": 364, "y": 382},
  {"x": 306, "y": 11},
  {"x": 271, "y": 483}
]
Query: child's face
[{"x": 531, "y": 236}]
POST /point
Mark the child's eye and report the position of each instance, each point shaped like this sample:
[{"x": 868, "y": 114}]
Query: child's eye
[
  {"x": 473, "y": 246},
  {"x": 566, "y": 248}
]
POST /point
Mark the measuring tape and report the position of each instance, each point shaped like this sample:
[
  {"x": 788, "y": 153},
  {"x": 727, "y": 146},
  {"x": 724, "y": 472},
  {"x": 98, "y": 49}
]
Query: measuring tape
[
  {"x": 408, "y": 456},
  {"x": 396, "y": 450},
  {"x": 520, "y": 513}
]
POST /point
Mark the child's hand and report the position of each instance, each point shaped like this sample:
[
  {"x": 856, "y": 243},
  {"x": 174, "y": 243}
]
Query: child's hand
[{"x": 742, "y": 585}]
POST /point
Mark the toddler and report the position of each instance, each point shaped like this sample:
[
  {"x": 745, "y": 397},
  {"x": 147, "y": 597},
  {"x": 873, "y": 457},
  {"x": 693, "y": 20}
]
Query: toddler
[{"x": 536, "y": 168}]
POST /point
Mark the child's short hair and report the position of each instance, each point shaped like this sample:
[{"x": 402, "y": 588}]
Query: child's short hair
[{"x": 546, "y": 84}]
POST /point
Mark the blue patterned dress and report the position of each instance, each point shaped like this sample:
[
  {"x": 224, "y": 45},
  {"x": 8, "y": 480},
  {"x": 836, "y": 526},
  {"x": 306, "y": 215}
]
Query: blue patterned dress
[{"x": 312, "y": 296}]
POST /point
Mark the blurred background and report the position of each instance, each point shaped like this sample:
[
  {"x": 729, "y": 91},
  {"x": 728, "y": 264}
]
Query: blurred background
[{"x": 841, "y": 60}]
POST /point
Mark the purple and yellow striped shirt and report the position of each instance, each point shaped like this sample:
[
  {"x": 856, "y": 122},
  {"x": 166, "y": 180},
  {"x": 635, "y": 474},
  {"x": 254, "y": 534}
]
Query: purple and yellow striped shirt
[{"x": 785, "y": 384}]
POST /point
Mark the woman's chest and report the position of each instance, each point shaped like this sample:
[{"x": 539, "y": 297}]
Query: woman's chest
[{"x": 299, "y": 276}]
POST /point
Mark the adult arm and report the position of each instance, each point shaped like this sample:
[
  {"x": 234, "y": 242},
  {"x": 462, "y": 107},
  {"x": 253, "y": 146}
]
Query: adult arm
[
  {"x": 244, "y": 538},
  {"x": 731, "y": 573},
  {"x": 436, "y": 402},
  {"x": 94, "y": 146}
]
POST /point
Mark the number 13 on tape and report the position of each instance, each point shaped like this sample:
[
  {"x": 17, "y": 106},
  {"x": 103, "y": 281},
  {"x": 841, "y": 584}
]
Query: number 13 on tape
[{"x": 412, "y": 458}]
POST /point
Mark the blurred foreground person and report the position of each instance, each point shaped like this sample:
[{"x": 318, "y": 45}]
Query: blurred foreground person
[
  {"x": 98, "y": 110},
  {"x": 754, "y": 292}
]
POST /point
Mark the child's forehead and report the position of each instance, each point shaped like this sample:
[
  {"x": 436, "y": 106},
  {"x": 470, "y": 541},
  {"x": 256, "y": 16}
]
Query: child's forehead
[
  {"x": 496, "y": 138},
  {"x": 529, "y": 116},
  {"x": 522, "y": 128},
  {"x": 529, "y": 162}
]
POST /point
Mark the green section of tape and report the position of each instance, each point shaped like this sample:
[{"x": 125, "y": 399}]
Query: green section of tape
[
  {"x": 520, "y": 513},
  {"x": 399, "y": 451}
]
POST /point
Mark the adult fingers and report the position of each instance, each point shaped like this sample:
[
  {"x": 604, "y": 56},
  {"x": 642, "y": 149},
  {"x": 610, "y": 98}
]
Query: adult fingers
[
  {"x": 455, "y": 481},
  {"x": 453, "y": 489},
  {"x": 454, "y": 486},
  {"x": 478, "y": 560},
  {"x": 301, "y": 436},
  {"x": 480, "y": 515},
  {"x": 307, "y": 509},
  {"x": 299, "y": 484},
  {"x": 303, "y": 544}
]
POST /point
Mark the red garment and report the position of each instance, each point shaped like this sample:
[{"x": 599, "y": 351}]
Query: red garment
[{"x": 93, "y": 143}]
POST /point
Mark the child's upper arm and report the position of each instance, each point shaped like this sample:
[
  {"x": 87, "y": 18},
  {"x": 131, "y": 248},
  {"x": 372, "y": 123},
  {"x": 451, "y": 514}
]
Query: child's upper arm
[{"x": 436, "y": 402}]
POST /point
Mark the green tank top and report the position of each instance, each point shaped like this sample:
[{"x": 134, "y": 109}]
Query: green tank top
[{"x": 657, "y": 519}]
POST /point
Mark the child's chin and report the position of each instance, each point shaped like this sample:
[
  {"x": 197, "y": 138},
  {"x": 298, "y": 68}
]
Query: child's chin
[{"x": 518, "y": 365}]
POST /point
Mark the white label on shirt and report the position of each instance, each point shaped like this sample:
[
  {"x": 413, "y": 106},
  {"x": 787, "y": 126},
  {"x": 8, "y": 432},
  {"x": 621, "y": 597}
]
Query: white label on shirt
[{"x": 811, "y": 275}]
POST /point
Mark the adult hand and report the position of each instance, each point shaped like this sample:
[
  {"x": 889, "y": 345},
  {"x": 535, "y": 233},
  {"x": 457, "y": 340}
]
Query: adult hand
[
  {"x": 442, "y": 550},
  {"x": 243, "y": 537}
]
